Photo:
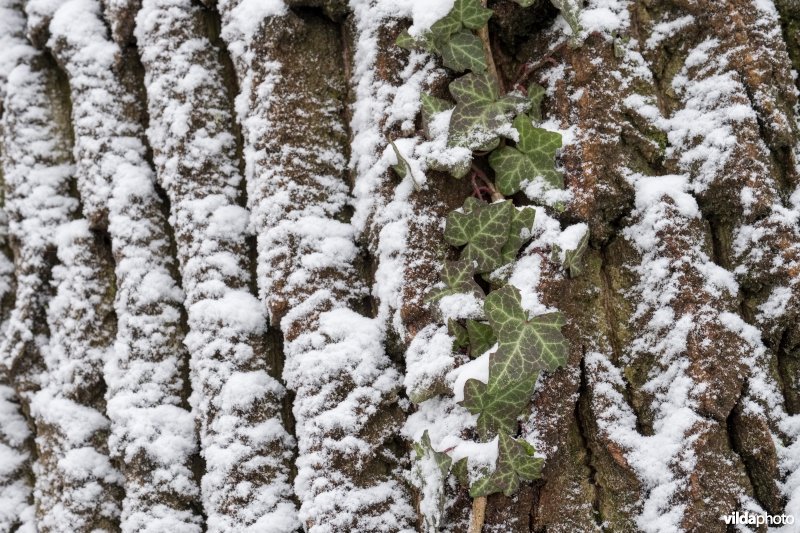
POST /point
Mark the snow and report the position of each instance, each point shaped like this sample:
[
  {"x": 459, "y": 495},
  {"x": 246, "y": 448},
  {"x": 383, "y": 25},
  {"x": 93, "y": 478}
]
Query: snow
[{"x": 477, "y": 369}]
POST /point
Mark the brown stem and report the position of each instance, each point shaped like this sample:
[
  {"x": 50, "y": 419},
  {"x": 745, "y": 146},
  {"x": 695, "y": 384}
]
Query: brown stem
[
  {"x": 493, "y": 192},
  {"x": 483, "y": 34},
  {"x": 478, "y": 514}
]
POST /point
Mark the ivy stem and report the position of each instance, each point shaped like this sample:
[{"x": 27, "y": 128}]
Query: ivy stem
[
  {"x": 483, "y": 34},
  {"x": 493, "y": 192},
  {"x": 478, "y": 514}
]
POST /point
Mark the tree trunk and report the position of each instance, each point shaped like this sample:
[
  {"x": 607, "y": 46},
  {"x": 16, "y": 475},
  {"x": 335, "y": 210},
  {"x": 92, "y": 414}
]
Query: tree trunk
[{"x": 214, "y": 286}]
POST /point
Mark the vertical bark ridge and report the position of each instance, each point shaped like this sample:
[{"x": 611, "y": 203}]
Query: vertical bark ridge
[
  {"x": 77, "y": 487},
  {"x": 345, "y": 386},
  {"x": 236, "y": 401},
  {"x": 144, "y": 370}
]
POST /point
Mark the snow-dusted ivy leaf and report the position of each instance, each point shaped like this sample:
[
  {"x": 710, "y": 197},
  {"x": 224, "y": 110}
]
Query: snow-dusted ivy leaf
[
  {"x": 408, "y": 42},
  {"x": 534, "y": 156},
  {"x": 424, "y": 448},
  {"x": 461, "y": 471},
  {"x": 432, "y": 468},
  {"x": 480, "y": 337},
  {"x": 459, "y": 333},
  {"x": 525, "y": 346},
  {"x": 482, "y": 229},
  {"x": 573, "y": 259},
  {"x": 480, "y": 111},
  {"x": 430, "y": 107},
  {"x": 570, "y": 10},
  {"x": 459, "y": 277},
  {"x": 515, "y": 463},
  {"x": 519, "y": 231},
  {"x": 536, "y": 94},
  {"x": 464, "y": 51},
  {"x": 402, "y": 167}
]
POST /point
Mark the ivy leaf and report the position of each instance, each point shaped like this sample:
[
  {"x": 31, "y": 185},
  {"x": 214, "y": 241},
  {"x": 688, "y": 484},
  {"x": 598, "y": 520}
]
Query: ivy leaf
[
  {"x": 525, "y": 347},
  {"x": 402, "y": 167},
  {"x": 424, "y": 448},
  {"x": 459, "y": 278},
  {"x": 471, "y": 13},
  {"x": 536, "y": 94},
  {"x": 480, "y": 111},
  {"x": 461, "y": 472},
  {"x": 464, "y": 51},
  {"x": 573, "y": 258},
  {"x": 480, "y": 337},
  {"x": 526, "y": 3},
  {"x": 460, "y": 334},
  {"x": 519, "y": 231},
  {"x": 430, "y": 107},
  {"x": 515, "y": 463},
  {"x": 425, "y": 456},
  {"x": 534, "y": 156},
  {"x": 570, "y": 10},
  {"x": 407, "y": 42},
  {"x": 443, "y": 28},
  {"x": 482, "y": 229}
]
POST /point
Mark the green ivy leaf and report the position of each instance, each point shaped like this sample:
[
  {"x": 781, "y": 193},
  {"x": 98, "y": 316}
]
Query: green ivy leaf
[
  {"x": 480, "y": 111},
  {"x": 471, "y": 13},
  {"x": 536, "y": 94},
  {"x": 533, "y": 156},
  {"x": 526, "y": 3},
  {"x": 425, "y": 453},
  {"x": 424, "y": 448},
  {"x": 519, "y": 231},
  {"x": 525, "y": 347},
  {"x": 460, "y": 334},
  {"x": 515, "y": 463},
  {"x": 459, "y": 277},
  {"x": 570, "y": 10},
  {"x": 443, "y": 28},
  {"x": 573, "y": 259},
  {"x": 402, "y": 167},
  {"x": 463, "y": 51},
  {"x": 461, "y": 472},
  {"x": 482, "y": 229},
  {"x": 407, "y": 42},
  {"x": 480, "y": 337},
  {"x": 430, "y": 107}
]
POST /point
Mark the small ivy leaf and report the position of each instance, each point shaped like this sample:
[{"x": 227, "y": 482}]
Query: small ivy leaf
[
  {"x": 515, "y": 463},
  {"x": 483, "y": 230},
  {"x": 570, "y": 10},
  {"x": 459, "y": 333},
  {"x": 464, "y": 51},
  {"x": 526, "y": 3},
  {"x": 480, "y": 336},
  {"x": 471, "y": 13},
  {"x": 459, "y": 278},
  {"x": 426, "y": 455},
  {"x": 525, "y": 347},
  {"x": 458, "y": 169},
  {"x": 461, "y": 471},
  {"x": 430, "y": 107},
  {"x": 424, "y": 447},
  {"x": 519, "y": 231},
  {"x": 511, "y": 168},
  {"x": 533, "y": 156},
  {"x": 535, "y": 95},
  {"x": 479, "y": 111},
  {"x": 573, "y": 258},
  {"x": 401, "y": 167},
  {"x": 407, "y": 42}
]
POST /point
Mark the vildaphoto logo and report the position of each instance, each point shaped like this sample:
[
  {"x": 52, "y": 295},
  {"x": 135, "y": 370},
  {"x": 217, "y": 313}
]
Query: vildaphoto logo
[{"x": 748, "y": 518}]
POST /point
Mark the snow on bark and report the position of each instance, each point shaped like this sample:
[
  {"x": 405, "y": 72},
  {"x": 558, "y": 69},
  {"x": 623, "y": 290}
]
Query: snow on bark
[
  {"x": 237, "y": 402},
  {"x": 37, "y": 170},
  {"x": 77, "y": 488},
  {"x": 152, "y": 433},
  {"x": 345, "y": 385}
]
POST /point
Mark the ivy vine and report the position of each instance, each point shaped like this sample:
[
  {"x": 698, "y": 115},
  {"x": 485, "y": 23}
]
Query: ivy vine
[{"x": 488, "y": 235}]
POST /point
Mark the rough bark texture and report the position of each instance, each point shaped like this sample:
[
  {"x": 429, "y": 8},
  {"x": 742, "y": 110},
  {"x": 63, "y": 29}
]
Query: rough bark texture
[{"x": 213, "y": 285}]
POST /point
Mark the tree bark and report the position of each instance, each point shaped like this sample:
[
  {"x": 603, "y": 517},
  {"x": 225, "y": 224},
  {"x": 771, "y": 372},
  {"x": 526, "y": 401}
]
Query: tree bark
[{"x": 214, "y": 286}]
